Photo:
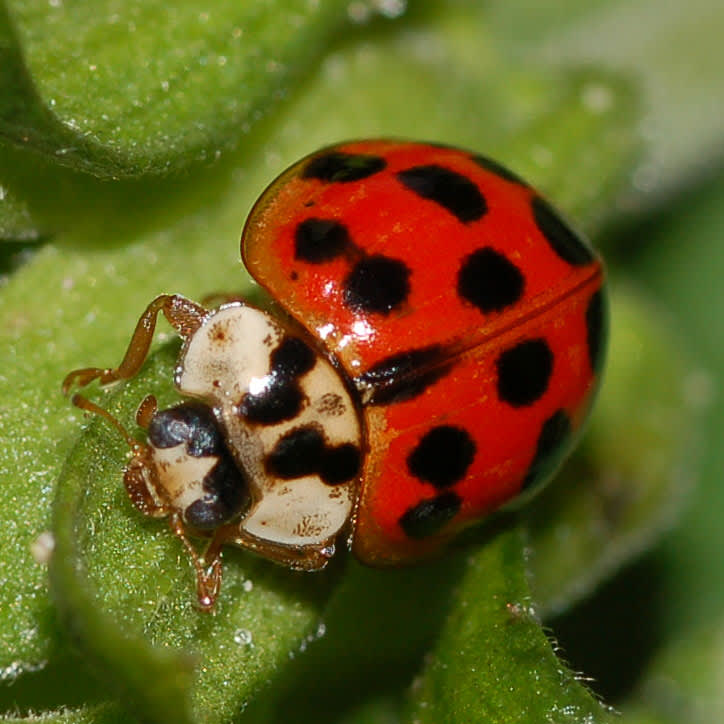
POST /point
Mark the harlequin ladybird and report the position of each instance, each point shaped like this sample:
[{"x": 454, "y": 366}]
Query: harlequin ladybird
[{"x": 440, "y": 339}]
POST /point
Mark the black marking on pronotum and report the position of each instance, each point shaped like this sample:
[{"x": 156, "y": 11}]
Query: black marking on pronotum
[
  {"x": 489, "y": 280},
  {"x": 282, "y": 398},
  {"x": 377, "y": 284},
  {"x": 442, "y": 456},
  {"x": 225, "y": 486},
  {"x": 552, "y": 442},
  {"x": 596, "y": 329},
  {"x": 279, "y": 401},
  {"x": 429, "y": 516},
  {"x": 340, "y": 167},
  {"x": 403, "y": 376},
  {"x": 317, "y": 241},
  {"x": 292, "y": 358},
  {"x": 524, "y": 372},
  {"x": 498, "y": 169},
  {"x": 451, "y": 190},
  {"x": 305, "y": 451},
  {"x": 562, "y": 239}
]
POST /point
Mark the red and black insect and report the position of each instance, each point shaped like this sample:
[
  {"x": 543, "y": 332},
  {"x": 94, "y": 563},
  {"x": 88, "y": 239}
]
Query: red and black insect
[{"x": 445, "y": 337}]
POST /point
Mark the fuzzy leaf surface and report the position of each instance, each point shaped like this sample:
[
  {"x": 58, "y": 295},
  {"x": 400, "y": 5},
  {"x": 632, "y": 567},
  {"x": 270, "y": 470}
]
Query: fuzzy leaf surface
[{"x": 125, "y": 88}]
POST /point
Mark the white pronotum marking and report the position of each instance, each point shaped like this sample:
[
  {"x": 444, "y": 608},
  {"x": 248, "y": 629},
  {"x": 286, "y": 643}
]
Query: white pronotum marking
[{"x": 229, "y": 356}]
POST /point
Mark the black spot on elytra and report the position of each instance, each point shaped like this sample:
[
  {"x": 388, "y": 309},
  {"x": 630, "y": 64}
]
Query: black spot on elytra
[
  {"x": 378, "y": 284},
  {"x": 426, "y": 518},
  {"x": 281, "y": 399},
  {"x": 553, "y": 438},
  {"x": 451, "y": 190},
  {"x": 524, "y": 372},
  {"x": 596, "y": 329},
  {"x": 442, "y": 456},
  {"x": 317, "y": 241},
  {"x": 403, "y": 376},
  {"x": 340, "y": 167},
  {"x": 563, "y": 240},
  {"x": 489, "y": 280},
  {"x": 498, "y": 169},
  {"x": 225, "y": 486},
  {"x": 304, "y": 451}
]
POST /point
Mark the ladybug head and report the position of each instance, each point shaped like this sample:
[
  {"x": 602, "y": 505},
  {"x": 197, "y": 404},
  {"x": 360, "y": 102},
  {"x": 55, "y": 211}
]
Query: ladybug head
[{"x": 189, "y": 470}]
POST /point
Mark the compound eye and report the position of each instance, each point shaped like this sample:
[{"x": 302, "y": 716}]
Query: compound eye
[
  {"x": 195, "y": 467},
  {"x": 189, "y": 423}
]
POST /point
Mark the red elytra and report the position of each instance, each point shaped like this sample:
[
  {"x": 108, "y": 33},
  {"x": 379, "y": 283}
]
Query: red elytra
[{"x": 465, "y": 313}]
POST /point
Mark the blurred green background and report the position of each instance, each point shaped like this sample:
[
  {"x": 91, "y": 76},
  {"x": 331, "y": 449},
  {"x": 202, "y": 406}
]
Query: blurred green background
[{"x": 134, "y": 137}]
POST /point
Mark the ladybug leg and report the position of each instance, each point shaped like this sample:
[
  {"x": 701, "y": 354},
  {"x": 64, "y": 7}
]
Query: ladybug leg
[
  {"x": 208, "y": 569},
  {"x": 182, "y": 314},
  {"x": 298, "y": 558},
  {"x": 212, "y": 560},
  {"x": 146, "y": 410}
]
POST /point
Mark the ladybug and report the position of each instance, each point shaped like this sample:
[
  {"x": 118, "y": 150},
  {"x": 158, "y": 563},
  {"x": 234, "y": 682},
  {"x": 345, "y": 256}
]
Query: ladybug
[{"x": 435, "y": 346}]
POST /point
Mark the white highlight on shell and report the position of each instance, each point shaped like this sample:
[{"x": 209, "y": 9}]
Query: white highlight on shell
[
  {"x": 259, "y": 385},
  {"x": 362, "y": 329},
  {"x": 325, "y": 330}
]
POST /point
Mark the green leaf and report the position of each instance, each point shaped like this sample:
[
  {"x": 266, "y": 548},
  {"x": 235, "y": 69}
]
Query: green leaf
[
  {"x": 383, "y": 710},
  {"x": 376, "y": 632},
  {"x": 100, "y": 714},
  {"x": 492, "y": 661},
  {"x": 120, "y": 89},
  {"x": 16, "y": 221},
  {"x": 684, "y": 683},
  {"x": 627, "y": 481},
  {"x": 682, "y": 262},
  {"x": 671, "y": 50}
]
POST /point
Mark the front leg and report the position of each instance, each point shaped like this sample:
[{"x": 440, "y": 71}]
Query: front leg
[
  {"x": 182, "y": 314},
  {"x": 208, "y": 569}
]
